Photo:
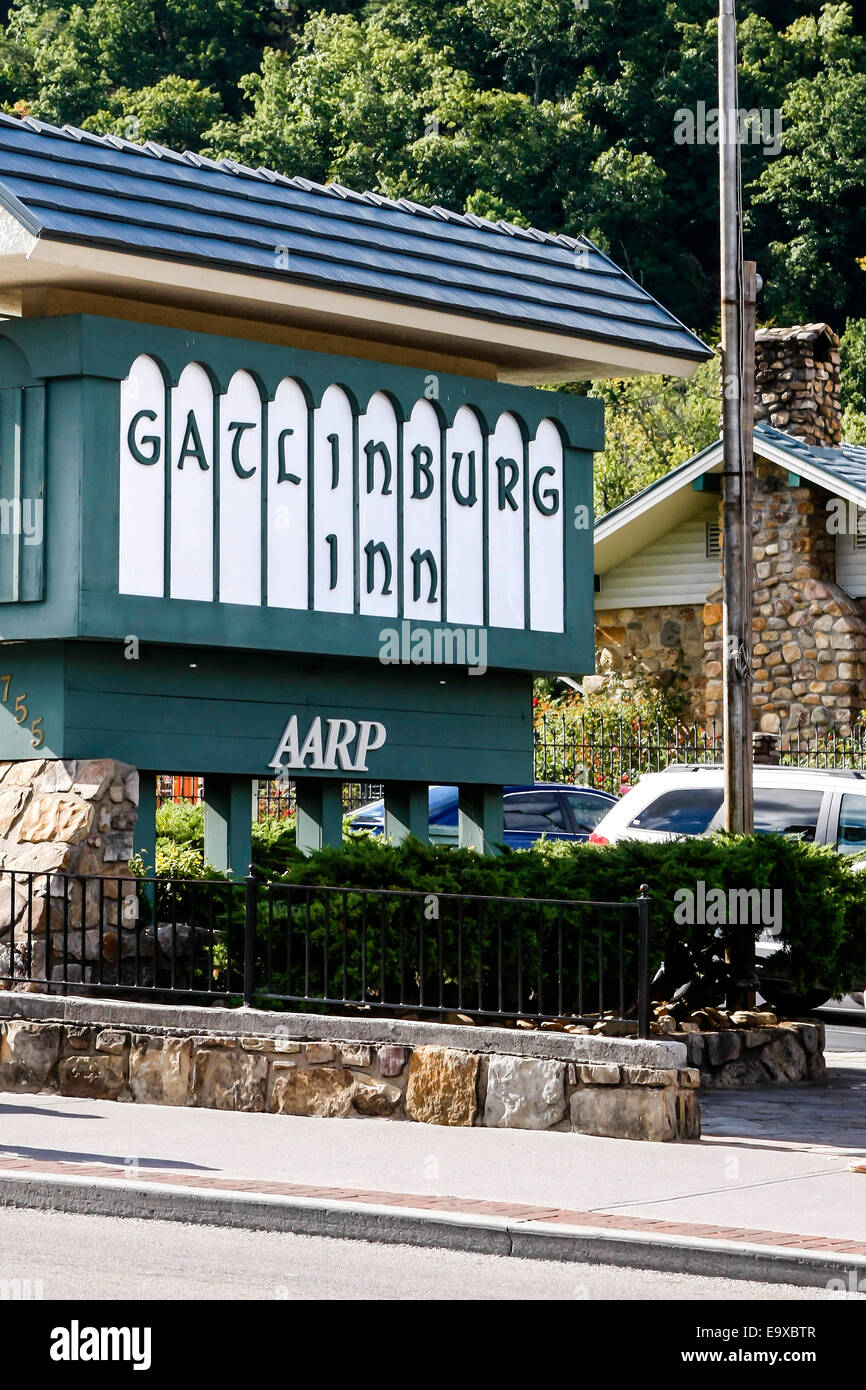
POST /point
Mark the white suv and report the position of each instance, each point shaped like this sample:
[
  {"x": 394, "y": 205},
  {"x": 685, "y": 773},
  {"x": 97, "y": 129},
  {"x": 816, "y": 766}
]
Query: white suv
[{"x": 820, "y": 806}]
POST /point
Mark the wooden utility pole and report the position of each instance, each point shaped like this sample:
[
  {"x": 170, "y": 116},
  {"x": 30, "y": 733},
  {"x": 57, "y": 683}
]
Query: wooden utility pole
[
  {"x": 738, "y": 338},
  {"x": 750, "y": 290}
]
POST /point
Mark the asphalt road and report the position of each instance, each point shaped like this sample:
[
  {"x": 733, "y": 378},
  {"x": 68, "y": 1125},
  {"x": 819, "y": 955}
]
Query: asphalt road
[
  {"x": 100, "y": 1257},
  {"x": 846, "y": 1032}
]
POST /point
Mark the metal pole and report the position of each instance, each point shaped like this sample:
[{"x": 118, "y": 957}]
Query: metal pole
[
  {"x": 737, "y": 426},
  {"x": 750, "y": 284},
  {"x": 251, "y": 901},
  {"x": 643, "y": 968},
  {"x": 733, "y": 549}
]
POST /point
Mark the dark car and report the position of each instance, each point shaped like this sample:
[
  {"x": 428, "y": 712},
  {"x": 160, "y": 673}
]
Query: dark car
[{"x": 554, "y": 810}]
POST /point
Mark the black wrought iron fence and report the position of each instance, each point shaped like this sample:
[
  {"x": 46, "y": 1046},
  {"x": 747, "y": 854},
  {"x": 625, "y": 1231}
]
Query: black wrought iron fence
[
  {"x": 101, "y": 934},
  {"x": 277, "y": 798},
  {"x": 310, "y": 947},
  {"x": 435, "y": 953},
  {"x": 611, "y": 754}
]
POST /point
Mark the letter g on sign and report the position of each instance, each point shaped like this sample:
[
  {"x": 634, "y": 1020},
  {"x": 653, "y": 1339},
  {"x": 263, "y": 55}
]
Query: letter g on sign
[{"x": 151, "y": 441}]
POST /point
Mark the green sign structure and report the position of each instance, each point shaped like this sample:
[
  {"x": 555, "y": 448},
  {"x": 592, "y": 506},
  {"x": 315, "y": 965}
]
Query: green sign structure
[{"x": 226, "y": 557}]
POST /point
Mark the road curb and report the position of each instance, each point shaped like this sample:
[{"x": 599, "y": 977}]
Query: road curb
[{"x": 485, "y": 1235}]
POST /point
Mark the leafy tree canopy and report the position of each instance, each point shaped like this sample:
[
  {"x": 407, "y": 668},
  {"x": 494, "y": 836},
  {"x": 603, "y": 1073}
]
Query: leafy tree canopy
[
  {"x": 549, "y": 112},
  {"x": 557, "y": 113}
]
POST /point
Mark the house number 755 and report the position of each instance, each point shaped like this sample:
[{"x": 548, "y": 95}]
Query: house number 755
[{"x": 21, "y": 712}]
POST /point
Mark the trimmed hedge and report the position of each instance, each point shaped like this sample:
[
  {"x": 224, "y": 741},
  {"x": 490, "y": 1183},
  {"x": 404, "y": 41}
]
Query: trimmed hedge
[{"x": 823, "y": 900}]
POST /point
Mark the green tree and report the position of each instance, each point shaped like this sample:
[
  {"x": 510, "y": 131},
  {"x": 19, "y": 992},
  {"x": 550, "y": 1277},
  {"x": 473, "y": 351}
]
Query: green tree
[
  {"x": 852, "y": 373},
  {"x": 651, "y": 425},
  {"x": 63, "y": 62},
  {"x": 345, "y": 104},
  {"x": 174, "y": 111},
  {"x": 534, "y": 110}
]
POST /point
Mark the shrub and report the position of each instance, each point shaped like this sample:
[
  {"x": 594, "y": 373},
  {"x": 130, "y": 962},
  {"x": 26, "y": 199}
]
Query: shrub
[
  {"x": 181, "y": 822},
  {"x": 823, "y": 905},
  {"x": 823, "y": 901}
]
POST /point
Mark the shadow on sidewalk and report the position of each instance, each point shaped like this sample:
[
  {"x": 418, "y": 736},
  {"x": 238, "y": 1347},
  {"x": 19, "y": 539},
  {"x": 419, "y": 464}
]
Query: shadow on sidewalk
[
  {"x": 114, "y": 1160},
  {"x": 41, "y": 1110},
  {"x": 826, "y": 1115}
]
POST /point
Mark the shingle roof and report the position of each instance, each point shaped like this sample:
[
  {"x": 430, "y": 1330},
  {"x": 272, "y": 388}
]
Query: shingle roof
[{"x": 70, "y": 185}]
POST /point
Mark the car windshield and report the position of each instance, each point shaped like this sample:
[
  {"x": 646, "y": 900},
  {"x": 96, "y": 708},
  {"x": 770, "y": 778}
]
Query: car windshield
[{"x": 686, "y": 811}]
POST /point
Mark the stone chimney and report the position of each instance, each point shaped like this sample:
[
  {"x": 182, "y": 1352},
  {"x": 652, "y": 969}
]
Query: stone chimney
[
  {"x": 797, "y": 382},
  {"x": 809, "y": 647}
]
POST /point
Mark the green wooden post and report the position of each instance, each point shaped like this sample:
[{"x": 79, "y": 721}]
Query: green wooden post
[
  {"x": 145, "y": 825},
  {"x": 406, "y": 811},
  {"x": 319, "y": 813},
  {"x": 228, "y": 824},
  {"x": 480, "y": 818}
]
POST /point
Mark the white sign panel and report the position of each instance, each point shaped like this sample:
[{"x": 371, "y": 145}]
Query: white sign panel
[
  {"x": 506, "y": 476},
  {"x": 142, "y": 480},
  {"x": 464, "y": 519},
  {"x": 422, "y": 514},
  {"x": 337, "y": 508},
  {"x": 192, "y": 486},
  {"x": 240, "y": 472},
  {"x": 334, "y": 467},
  {"x": 288, "y": 497}
]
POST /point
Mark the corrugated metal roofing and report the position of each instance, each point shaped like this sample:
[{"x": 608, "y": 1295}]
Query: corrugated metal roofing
[{"x": 69, "y": 185}]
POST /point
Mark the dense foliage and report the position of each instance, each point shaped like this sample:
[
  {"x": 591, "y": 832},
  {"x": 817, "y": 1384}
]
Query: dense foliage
[
  {"x": 823, "y": 902},
  {"x": 549, "y": 112},
  {"x": 823, "y": 923},
  {"x": 180, "y": 841}
]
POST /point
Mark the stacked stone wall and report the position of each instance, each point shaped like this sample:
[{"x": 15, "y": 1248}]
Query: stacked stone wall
[
  {"x": 621, "y": 1088},
  {"x": 809, "y": 636},
  {"x": 797, "y": 382},
  {"x": 59, "y": 818},
  {"x": 756, "y": 1056},
  {"x": 665, "y": 644}
]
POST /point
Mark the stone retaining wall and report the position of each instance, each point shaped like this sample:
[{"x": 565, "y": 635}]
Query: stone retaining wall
[
  {"x": 664, "y": 643},
  {"x": 600, "y": 1086},
  {"x": 757, "y": 1056}
]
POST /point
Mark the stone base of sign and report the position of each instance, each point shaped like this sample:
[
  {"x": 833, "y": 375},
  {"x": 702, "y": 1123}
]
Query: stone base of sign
[
  {"x": 757, "y": 1056},
  {"x": 74, "y": 817},
  {"x": 342, "y": 1068}
]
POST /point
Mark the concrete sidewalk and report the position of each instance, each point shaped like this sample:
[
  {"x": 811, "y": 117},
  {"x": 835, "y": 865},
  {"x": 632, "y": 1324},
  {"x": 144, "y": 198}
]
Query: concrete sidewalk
[{"x": 767, "y": 1191}]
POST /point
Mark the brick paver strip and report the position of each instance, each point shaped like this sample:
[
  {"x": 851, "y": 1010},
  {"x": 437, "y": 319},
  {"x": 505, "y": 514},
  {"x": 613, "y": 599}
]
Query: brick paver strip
[{"x": 515, "y": 1211}]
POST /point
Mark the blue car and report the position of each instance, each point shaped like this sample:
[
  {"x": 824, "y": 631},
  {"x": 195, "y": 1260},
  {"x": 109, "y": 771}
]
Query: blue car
[{"x": 553, "y": 810}]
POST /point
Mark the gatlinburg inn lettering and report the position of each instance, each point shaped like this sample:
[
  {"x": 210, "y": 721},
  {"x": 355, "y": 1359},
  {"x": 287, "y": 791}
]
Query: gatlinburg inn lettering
[{"x": 338, "y": 508}]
